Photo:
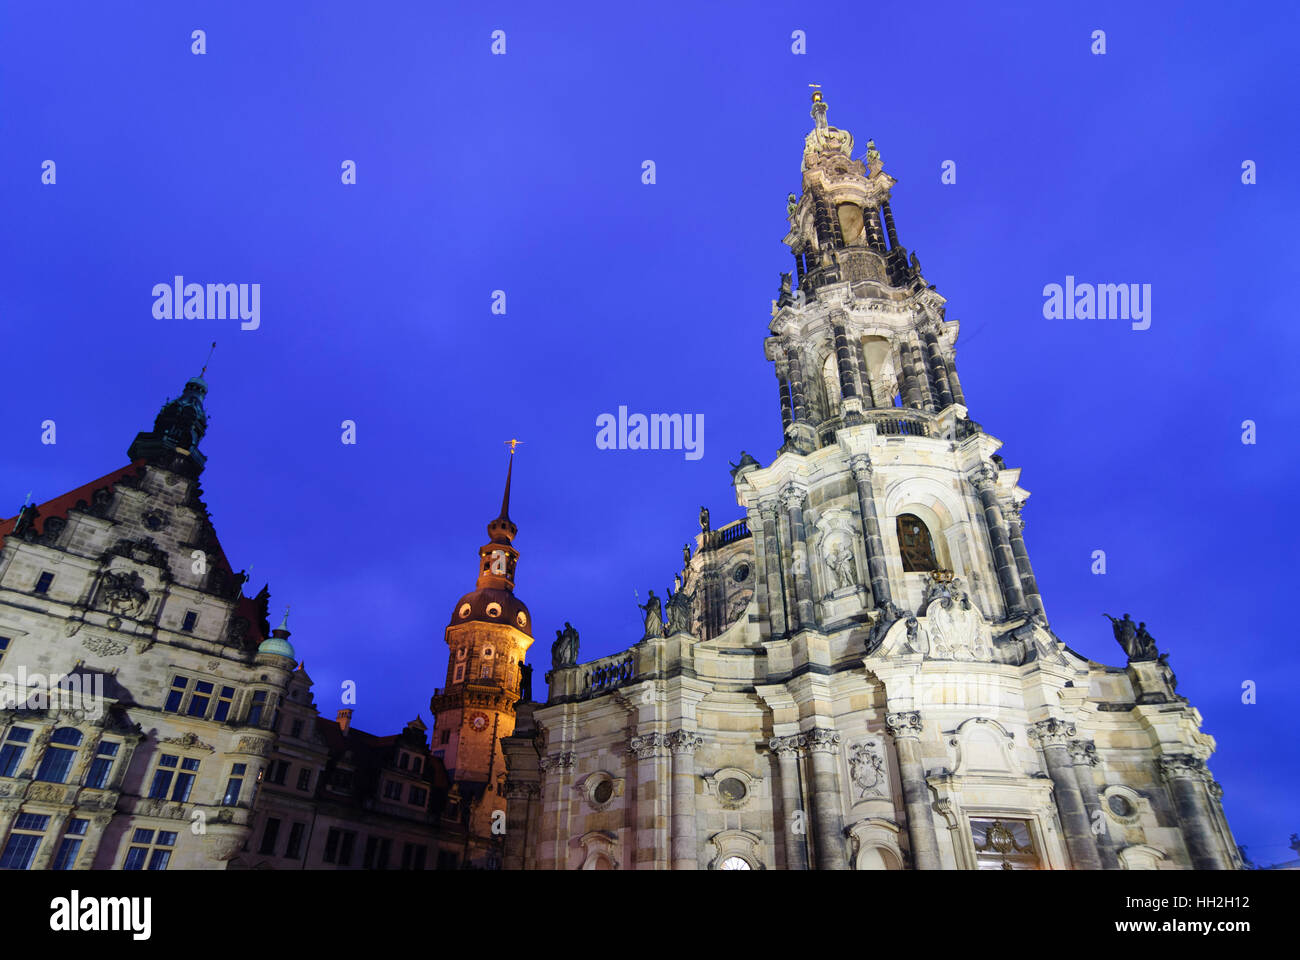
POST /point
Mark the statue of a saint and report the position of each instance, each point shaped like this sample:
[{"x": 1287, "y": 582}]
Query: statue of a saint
[
  {"x": 791, "y": 202},
  {"x": 704, "y": 519},
  {"x": 686, "y": 554},
  {"x": 1126, "y": 635},
  {"x": 846, "y": 573},
  {"x": 564, "y": 651},
  {"x": 916, "y": 264},
  {"x": 654, "y": 616},
  {"x": 679, "y": 611},
  {"x": 1146, "y": 647}
]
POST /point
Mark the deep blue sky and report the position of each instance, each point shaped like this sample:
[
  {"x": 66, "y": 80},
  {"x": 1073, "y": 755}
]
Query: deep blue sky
[{"x": 522, "y": 173}]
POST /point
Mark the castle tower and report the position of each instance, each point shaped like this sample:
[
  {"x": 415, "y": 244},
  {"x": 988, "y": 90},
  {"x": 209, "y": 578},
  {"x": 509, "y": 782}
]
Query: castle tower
[{"x": 489, "y": 633}]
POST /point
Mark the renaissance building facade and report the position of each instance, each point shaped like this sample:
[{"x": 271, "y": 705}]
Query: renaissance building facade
[{"x": 861, "y": 673}]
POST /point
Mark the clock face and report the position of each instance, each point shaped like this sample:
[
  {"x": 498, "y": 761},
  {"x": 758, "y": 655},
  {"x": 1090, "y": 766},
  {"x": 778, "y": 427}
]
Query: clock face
[{"x": 479, "y": 722}]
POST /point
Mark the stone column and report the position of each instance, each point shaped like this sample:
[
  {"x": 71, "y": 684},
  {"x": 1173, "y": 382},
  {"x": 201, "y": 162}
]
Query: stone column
[
  {"x": 772, "y": 570},
  {"x": 794, "y": 499},
  {"x": 877, "y": 570},
  {"x": 864, "y": 377},
  {"x": 1054, "y": 736},
  {"x": 954, "y": 383},
  {"x": 1003, "y": 556},
  {"x": 939, "y": 369},
  {"x": 788, "y": 751},
  {"x": 685, "y": 845},
  {"x": 889, "y": 224},
  {"x": 1016, "y": 531},
  {"x": 555, "y": 769},
  {"x": 521, "y": 796},
  {"x": 875, "y": 238},
  {"x": 828, "y": 819},
  {"x": 906, "y": 730},
  {"x": 783, "y": 384},
  {"x": 849, "y": 402},
  {"x": 649, "y": 749},
  {"x": 798, "y": 400},
  {"x": 1083, "y": 754},
  {"x": 922, "y": 375},
  {"x": 911, "y": 389},
  {"x": 1187, "y": 779}
]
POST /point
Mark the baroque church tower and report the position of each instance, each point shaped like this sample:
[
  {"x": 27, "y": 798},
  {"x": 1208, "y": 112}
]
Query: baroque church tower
[
  {"x": 489, "y": 634},
  {"x": 860, "y": 672}
]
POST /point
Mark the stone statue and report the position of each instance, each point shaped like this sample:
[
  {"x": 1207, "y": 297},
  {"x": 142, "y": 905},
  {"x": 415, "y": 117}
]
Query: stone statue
[
  {"x": 679, "y": 611},
  {"x": 745, "y": 461},
  {"x": 564, "y": 651},
  {"x": 873, "y": 155},
  {"x": 686, "y": 554},
  {"x": 704, "y": 519},
  {"x": 525, "y": 682},
  {"x": 791, "y": 202},
  {"x": 846, "y": 572},
  {"x": 916, "y": 264},
  {"x": 654, "y": 616},
  {"x": 1134, "y": 639}
]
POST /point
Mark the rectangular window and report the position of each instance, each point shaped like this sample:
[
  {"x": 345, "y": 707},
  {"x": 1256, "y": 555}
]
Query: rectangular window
[
  {"x": 304, "y": 778},
  {"x": 269, "y": 835},
  {"x": 294, "y": 847},
  {"x": 11, "y": 754},
  {"x": 71, "y": 845},
  {"x": 418, "y": 796},
  {"x": 234, "y": 785},
  {"x": 185, "y": 779},
  {"x": 173, "y": 704},
  {"x": 413, "y": 856},
  {"x": 345, "y": 848},
  {"x": 277, "y": 771},
  {"x": 255, "y": 711},
  {"x": 1003, "y": 844},
  {"x": 377, "y": 853},
  {"x": 392, "y": 790},
  {"x": 417, "y": 764},
  {"x": 332, "y": 846},
  {"x": 200, "y": 699},
  {"x": 4, "y": 645},
  {"x": 162, "y": 778},
  {"x": 460, "y": 673},
  {"x": 446, "y": 737},
  {"x": 295, "y": 730},
  {"x": 191, "y": 618},
  {"x": 224, "y": 701},
  {"x": 102, "y": 766},
  {"x": 43, "y": 582},
  {"x": 24, "y": 840},
  {"x": 146, "y": 853}
]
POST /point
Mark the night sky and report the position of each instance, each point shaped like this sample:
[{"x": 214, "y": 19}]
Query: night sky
[{"x": 522, "y": 173}]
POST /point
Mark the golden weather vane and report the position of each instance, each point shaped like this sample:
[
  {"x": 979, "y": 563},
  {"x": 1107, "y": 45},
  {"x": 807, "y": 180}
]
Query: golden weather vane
[{"x": 513, "y": 443}]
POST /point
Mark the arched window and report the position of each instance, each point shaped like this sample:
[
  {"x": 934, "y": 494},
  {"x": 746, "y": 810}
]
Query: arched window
[
  {"x": 915, "y": 544},
  {"x": 57, "y": 761}
]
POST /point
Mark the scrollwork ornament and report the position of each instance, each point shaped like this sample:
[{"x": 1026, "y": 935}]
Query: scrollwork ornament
[
  {"x": 1052, "y": 732},
  {"x": 684, "y": 741},
  {"x": 823, "y": 739},
  {"x": 648, "y": 745}
]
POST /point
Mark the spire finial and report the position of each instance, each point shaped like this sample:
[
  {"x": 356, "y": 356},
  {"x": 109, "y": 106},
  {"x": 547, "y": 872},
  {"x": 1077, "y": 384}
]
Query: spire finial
[
  {"x": 505, "y": 498},
  {"x": 284, "y": 624},
  {"x": 207, "y": 361}
]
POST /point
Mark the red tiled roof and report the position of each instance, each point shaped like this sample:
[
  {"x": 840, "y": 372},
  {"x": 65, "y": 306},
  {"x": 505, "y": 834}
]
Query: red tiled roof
[{"x": 59, "y": 506}]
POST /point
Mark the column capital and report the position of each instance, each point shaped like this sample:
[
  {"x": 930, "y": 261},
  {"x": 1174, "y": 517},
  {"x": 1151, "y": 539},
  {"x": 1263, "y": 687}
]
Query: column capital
[
  {"x": 790, "y": 746},
  {"x": 822, "y": 740},
  {"x": 1178, "y": 766},
  {"x": 794, "y": 496},
  {"x": 906, "y": 723},
  {"x": 769, "y": 509},
  {"x": 557, "y": 760},
  {"x": 648, "y": 745},
  {"x": 983, "y": 477},
  {"x": 862, "y": 467},
  {"x": 1083, "y": 753},
  {"x": 1052, "y": 732},
  {"x": 522, "y": 789},
  {"x": 684, "y": 742}
]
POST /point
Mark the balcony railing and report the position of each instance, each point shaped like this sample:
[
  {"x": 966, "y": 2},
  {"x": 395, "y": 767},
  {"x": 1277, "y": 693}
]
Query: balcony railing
[
  {"x": 899, "y": 423},
  {"x": 601, "y": 676}
]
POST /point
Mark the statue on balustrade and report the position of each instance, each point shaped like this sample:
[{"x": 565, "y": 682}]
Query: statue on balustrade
[
  {"x": 654, "y": 616},
  {"x": 679, "y": 611},
  {"x": 1135, "y": 640},
  {"x": 564, "y": 651}
]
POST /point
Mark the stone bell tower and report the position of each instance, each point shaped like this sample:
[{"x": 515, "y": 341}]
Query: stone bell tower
[
  {"x": 489, "y": 634},
  {"x": 875, "y": 425}
]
